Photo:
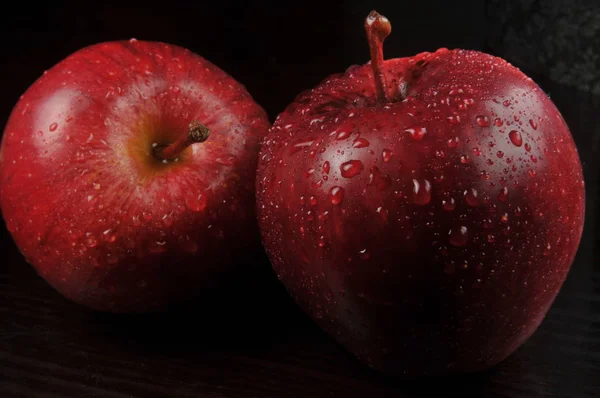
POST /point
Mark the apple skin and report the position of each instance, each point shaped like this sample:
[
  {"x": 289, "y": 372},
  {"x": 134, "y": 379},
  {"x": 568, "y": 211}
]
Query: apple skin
[
  {"x": 100, "y": 218},
  {"x": 423, "y": 234}
]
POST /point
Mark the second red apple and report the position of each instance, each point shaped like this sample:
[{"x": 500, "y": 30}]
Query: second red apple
[{"x": 424, "y": 211}]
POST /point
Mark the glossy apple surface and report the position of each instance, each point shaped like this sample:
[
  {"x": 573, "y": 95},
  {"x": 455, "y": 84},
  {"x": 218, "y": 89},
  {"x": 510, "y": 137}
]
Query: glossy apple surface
[
  {"x": 426, "y": 218},
  {"x": 90, "y": 204}
]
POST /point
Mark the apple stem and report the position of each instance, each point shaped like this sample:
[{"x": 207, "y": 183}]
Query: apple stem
[
  {"x": 197, "y": 132},
  {"x": 378, "y": 28}
]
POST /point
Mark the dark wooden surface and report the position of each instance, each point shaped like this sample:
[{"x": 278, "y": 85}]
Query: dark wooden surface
[{"x": 250, "y": 340}]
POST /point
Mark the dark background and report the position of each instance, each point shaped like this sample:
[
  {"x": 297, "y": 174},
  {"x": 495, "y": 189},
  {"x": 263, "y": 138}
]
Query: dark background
[{"x": 251, "y": 340}]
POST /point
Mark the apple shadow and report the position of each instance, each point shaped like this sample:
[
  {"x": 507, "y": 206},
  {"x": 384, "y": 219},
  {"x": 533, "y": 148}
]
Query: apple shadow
[
  {"x": 250, "y": 327},
  {"x": 473, "y": 384},
  {"x": 243, "y": 316},
  {"x": 510, "y": 377},
  {"x": 254, "y": 317},
  {"x": 270, "y": 326}
]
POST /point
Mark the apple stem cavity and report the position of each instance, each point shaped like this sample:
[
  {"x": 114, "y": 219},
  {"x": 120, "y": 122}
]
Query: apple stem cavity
[
  {"x": 197, "y": 132},
  {"x": 378, "y": 28}
]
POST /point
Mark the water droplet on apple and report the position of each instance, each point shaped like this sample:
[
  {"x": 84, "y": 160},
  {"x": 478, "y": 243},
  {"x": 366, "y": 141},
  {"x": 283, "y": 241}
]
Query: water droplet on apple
[
  {"x": 309, "y": 173},
  {"x": 195, "y": 202},
  {"x": 109, "y": 236},
  {"x": 518, "y": 212},
  {"x": 532, "y": 173},
  {"x": 476, "y": 152},
  {"x": 482, "y": 121},
  {"x": 547, "y": 249},
  {"x": 91, "y": 240},
  {"x": 316, "y": 120},
  {"x": 379, "y": 180},
  {"x": 313, "y": 201},
  {"x": 318, "y": 183},
  {"x": 448, "y": 204},
  {"x": 498, "y": 122},
  {"x": 453, "y": 142},
  {"x": 136, "y": 220},
  {"x": 383, "y": 213},
  {"x": 321, "y": 242},
  {"x": 326, "y": 167},
  {"x": 464, "y": 159},
  {"x": 167, "y": 219},
  {"x": 53, "y": 126},
  {"x": 386, "y": 155},
  {"x": 491, "y": 238},
  {"x": 360, "y": 143},
  {"x": 351, "y": 168},
  {"x": 364, "y": 254},
  {"x": 533, "y": 158},
  {"x": 503, "y": 194},
  {"x": 228, "y": 160},
  {"x": 417, "y": 133},
  {"x": 342, "y": 135},
  {"x": 472, "y": 197},
  {"x": 157, "y": 247},
  {"x": 454, "y": 120},
  {"x": 504, "y": 218},
  {"x": 533, "y": 124},
  {"x": 337, "y": 195},
  {"x": 458, "y": 236},
  {"x": 421, "y": 192},
  {"x": 515, "y": 138},
  {"x": 500, "y": 154},
  {"x": 506, "y": 103},
  {"x": 527, "y": 147},
  {"x": 297, "y": 147}
]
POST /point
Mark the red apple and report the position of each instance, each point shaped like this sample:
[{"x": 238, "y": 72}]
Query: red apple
[
  {"x": 425, "y": 210},
  {"x": 102, "y": 189}
]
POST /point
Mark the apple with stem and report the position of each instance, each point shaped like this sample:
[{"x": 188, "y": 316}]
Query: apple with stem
[
  {"x": 127, "y": 175},
  {"x": 425, "y": 210}
]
